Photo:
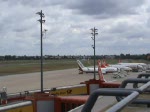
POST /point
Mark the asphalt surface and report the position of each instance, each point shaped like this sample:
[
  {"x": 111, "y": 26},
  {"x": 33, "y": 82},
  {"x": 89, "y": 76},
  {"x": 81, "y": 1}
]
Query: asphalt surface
[
  {"x": 31, "y": 81},
  {"x": 51, "y": 79}
]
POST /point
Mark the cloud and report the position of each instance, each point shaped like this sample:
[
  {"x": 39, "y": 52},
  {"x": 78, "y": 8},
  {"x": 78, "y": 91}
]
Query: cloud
[
  {"x": 105, "y": 8},
  {"x": 123, "y": 27}
]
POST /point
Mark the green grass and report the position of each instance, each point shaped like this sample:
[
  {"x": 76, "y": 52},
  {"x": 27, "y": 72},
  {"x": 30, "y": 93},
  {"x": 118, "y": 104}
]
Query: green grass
[{"x": 28, "y": 66}]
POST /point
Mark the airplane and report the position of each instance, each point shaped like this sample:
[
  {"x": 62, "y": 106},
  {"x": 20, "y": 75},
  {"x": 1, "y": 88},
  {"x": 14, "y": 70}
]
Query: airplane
[
  {"x": 134, "y": 66},
  {"x": 118, "y": 66},
  {"x": 105, "y": 70},
  {"x": 138, "y": 66}
]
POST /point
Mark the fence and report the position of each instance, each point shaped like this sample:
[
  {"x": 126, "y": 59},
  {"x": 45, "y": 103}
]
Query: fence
[{"x": 129, "y": 94}]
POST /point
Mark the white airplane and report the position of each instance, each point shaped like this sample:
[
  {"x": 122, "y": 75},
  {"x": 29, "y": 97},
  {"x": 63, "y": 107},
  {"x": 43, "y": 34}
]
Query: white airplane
[
  {"x": 118, "y": 66},
  {"x": 83, "y": 69},
  {"x": 122, "y": 67},
  {"x": 138, "y": 66}
]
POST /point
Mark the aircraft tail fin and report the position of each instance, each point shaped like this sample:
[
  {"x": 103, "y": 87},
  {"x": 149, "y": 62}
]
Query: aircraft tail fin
[
  {"x": 120, "y": 61},
  {"x": 104, "y": 62},
  {"x": 80, "y": 65},
  {"x": 101, "y": 76}
]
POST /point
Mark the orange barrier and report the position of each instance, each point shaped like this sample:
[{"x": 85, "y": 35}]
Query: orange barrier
[
  {"x": 101, "y": 84},
  {"x": 64, "y": 104}
]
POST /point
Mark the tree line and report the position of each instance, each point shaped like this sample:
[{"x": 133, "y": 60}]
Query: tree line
[{"x": 50, "y": 57}]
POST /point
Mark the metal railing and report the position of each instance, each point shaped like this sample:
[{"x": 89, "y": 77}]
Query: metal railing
[
  {"x": 125, "y": 96},
  {"x": 105, "y": 92},
  {"x": 20, "y": 104},
  {"x": 123, "y": 103}
]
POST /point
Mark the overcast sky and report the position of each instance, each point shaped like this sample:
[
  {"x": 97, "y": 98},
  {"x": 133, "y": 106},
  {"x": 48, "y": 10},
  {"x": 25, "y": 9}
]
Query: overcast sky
[{"x": 123, "y": 27}]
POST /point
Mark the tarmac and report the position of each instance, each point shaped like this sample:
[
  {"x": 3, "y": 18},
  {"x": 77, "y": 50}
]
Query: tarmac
[{"x": 31, "y": 81}]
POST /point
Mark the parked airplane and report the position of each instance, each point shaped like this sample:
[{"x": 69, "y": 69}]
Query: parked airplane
[
  {"x": 118, "y": 66},
  {"x": 138, "y": 66},
  {"x": 83, "y": 69}
]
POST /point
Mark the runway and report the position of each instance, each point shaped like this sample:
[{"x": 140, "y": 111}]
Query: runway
[
  {"x": 51, "y": 79},
  {"x": 31, "y": 81}
]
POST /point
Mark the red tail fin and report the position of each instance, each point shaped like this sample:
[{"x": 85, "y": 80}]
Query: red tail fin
[
  {"x": 104, "y": 62},
  {"x": 120, "y": 61},
  {"x": 101, "y": 77}
]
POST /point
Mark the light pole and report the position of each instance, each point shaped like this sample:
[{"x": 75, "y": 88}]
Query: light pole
[
  {"x": 44, "y": 32},
  {"x": 94, "y": 32},
  {"x": 41, "y": 21}
]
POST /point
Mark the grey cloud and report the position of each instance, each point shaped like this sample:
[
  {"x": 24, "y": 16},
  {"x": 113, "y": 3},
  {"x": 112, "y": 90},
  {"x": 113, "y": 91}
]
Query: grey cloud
[
  {"x": 68, "y": 28},
  {"x": 129, "y": 31},
  {"x": 34, "y": 3},
  {"x": 124, "y": 37},
  {"x": 105, "y": 8}
]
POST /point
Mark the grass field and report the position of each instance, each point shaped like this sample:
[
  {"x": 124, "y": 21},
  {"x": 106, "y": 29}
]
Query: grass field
[{"x": 28, "y": 66}]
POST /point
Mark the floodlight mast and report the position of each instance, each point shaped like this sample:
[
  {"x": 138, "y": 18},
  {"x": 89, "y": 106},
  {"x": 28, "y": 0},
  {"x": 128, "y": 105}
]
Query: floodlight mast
[
  {"x": 94, "y": 33},
  {"x": 41, "y": 23}
]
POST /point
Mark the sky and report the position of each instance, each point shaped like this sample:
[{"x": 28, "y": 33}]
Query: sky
[{"x": 123, "y": 27}]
